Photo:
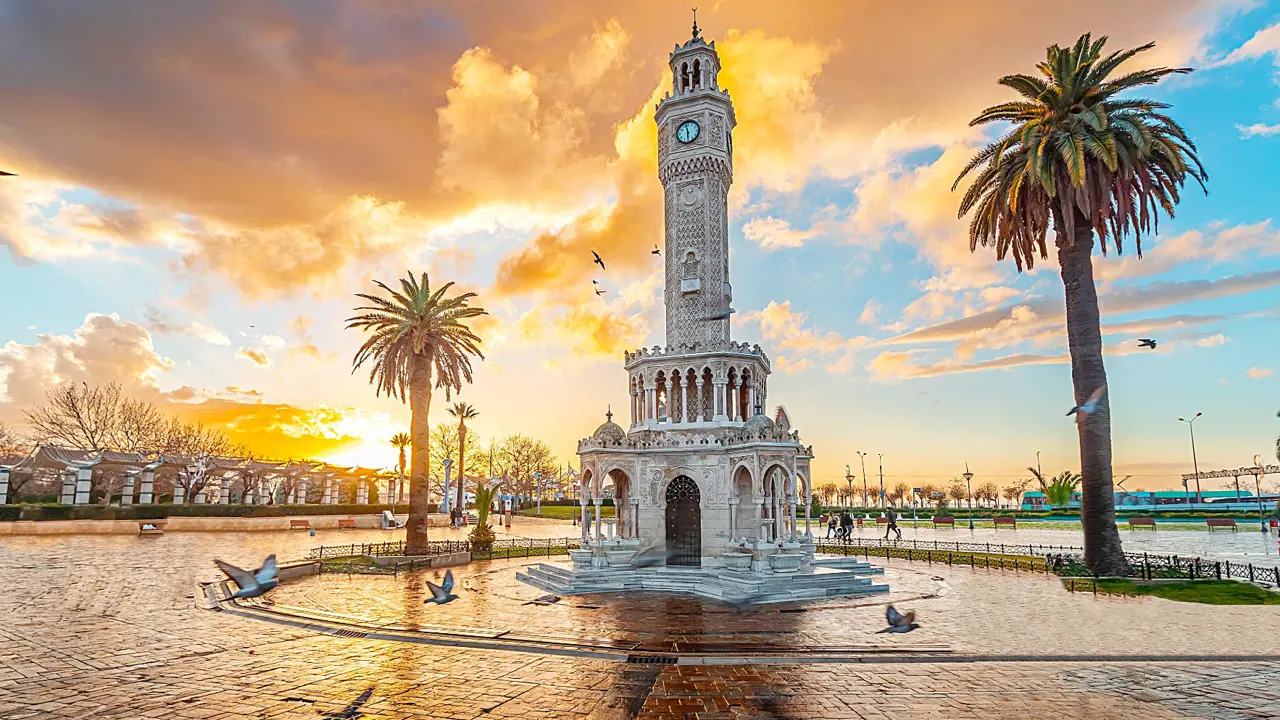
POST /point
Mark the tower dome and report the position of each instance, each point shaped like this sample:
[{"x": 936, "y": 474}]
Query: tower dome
[
  {"x": 758, "y": 425},
  {"x": 610, "y": 431}
]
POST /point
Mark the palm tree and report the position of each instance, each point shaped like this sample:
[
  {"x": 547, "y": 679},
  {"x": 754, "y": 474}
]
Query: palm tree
[
  {"x": 1091, "y": 163},
  {"x": 400, "y": 441},
  {"x": 417, "y": 339},
  {"x": 463, "y": 412}
]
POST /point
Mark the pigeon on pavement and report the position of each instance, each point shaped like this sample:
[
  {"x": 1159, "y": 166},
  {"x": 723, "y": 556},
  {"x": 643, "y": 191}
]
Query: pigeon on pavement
[
  {"x": 597, "y": 260},
  {"x": 1083, "y": 411},
  {"x": 899, "y": 622},
  {"x": 262, "y": 581},
  {"x": 443, "y": 593},
  {"x": 544, "y": 600}
]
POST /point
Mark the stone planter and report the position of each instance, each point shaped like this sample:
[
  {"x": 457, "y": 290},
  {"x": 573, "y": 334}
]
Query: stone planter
[
  {"x": 785, "y": 562},
  {"x": 737, "y": 560},
  {"x": 581, "y": 559},
  {"x": 619, "y": 558}
]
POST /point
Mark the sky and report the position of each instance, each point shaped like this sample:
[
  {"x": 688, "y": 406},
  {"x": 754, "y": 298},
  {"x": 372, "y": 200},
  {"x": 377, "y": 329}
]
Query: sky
[{"x": 204, "y": 186}]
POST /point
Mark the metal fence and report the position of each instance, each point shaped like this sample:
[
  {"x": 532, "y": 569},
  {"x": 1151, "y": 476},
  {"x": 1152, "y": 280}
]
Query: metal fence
[
  {"x": 516, "y": 547},
  {"x": 1063, "y": 560}
]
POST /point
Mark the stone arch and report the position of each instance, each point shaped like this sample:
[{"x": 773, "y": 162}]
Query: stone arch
[
  {"x": 585, "y": 483},
  {"x": 624, "y": 489},
  {"x": 682, "y": 511},
  {"x": 670, "y": 474},
  {"x": 742, "y": 487}
]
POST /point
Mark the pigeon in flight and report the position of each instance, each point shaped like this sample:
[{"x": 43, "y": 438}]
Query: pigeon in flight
[
  {"x": 899, "y": 622},
  {"x": 443, "y": 593},
  {"x": 352, "y": 711},
  {"x": 1147, "y": 343},
  {"x": 655, "y": 250},
  {"x": 262, "y": 581},
  {"x": 598, "y": 261},
  {"x": 1082, "y": 412},
  {"x": 595, "y": 282},
  {"x": 7, "y": 174},
  {"x": 600, "y": 292}
]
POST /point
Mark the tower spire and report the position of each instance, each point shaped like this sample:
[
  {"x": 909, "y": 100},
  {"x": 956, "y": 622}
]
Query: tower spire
[{"x": 695, "y": 23}]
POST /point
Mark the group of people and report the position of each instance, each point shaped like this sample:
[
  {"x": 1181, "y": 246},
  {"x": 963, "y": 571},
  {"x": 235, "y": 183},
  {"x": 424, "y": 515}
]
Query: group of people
[{"x": 840, "y": 525}]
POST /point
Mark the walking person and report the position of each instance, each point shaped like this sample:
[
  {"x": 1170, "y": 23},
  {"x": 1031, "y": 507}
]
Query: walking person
[
  {"x": 892, "y": 525},
  {"x": 845, "y": 523},
  {"x": 831, "y": 524}
]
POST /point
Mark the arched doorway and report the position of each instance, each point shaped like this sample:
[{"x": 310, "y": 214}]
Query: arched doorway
[{"x": 684, "y": 523}]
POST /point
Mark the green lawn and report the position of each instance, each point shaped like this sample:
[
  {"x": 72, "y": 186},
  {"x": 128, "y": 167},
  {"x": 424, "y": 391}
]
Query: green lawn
[
  {"x": 565, "y": 512},
  {"x": 1209, "y": 592}
]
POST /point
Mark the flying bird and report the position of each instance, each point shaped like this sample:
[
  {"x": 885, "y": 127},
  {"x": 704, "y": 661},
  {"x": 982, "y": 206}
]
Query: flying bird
[
  {"x": 1082, "y": 412},
  {"x": 262, "y": 581},
  {"x": 655, "y": 250},
  {"x": 7, "y": 174},
  {"x": 1147, "y": 343},
  {"x": 352, "y": 711},
  {"x": 443, "y": 593},
  {"x": 899, "y": 622},
  {"x": 598, "y": 261},
  {"x": 595, "y": 282},
  {"x": 600, "y": 292}
]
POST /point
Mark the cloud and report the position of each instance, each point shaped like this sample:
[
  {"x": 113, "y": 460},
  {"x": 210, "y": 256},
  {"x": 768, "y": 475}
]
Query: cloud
[
  {"x": 783, "y": 365},
  {"x": 1213, "y": 340},
  {"x": 1264, "y": 42},
  {"x": 159, "y": 322},
  {"x": 774, "y": 234},
  {"x": 1257, "y": 373},
  {"x": 888, "y": 366},
  {"x": 254, "y": 355},
  {"x": 1257, "y": 130},
  {"x": 869, "y": 312},
  {"x": 784, "y": 331},
  {"x": 104, "y": 349}
]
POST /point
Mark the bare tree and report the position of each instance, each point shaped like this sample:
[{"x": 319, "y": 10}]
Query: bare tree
[
  {"x": 444, "y": 445},
  {"x": 98, "y": 417},
  {"x": 517, "y": 457},
  {"x": 987, "y": 492},
  {"x": 14, "y": 447}
]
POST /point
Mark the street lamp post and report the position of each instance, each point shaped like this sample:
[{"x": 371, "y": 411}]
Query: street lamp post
[
  {"x": 968, "y": 482},
  {"x": 863, "y": 457},
  {"x": 849, "y": 479},
  {"x": 538, "y": 476},
  {"x": 1194, "y": 464},
  {"x": 448, "y": 464},
  {"x": 1257, "y": 483},
  {"x": 881, "y": 479}
]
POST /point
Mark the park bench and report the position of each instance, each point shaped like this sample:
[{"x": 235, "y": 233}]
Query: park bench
[
  {"x": 1009, "y": 521},
  {"x": 299, "y": 524},
  {"x": 882, "y": 521},
  {"x": 1220, "y": 522},
  {"x": 1136, "y": 522},
  {"x": 346, "y": 523},
  {"x": 944, "y": 521},
  {"x": 151, "y": 527}
]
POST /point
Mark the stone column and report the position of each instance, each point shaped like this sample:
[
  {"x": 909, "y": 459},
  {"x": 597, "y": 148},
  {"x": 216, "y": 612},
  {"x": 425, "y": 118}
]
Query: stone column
[
  {"x": 224, "y": 491},
  {"x": 791, "y": 501},
  {"x": 179, "y": 494},
  {"x": 68, "y": 493},
  {"x": 733, "y": 517},
  {"x": 735, "y": 397},
  {"x": 84, "y": 481},
  {"x": 599, "y": 519},
  {"x": 684, "y": 399},
  {"x": 766, "y": 522},
  {"x": 808, "y": 508},
  {"x": 126, "y": 492},
  {"x": 751, "y": 399},
  {"x": 635, "y": 517},
  {"x": 583, "y": 519},
  {"x": 198, "y": 498},
  {"x": 4, "y": 486},
  {"x": 146, "y": 493},
  {"x": 362, "y": 494},
  {"x": 701, "y": 415},
  {"x": 633, "y": 405},
  {"x": 326, "y": 497},
  {"x": 719, "y": 398},
  {"x": 302, "y": 491}
]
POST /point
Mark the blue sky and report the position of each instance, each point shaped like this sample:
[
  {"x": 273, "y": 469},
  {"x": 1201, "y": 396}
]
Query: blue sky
[{"x": 225, "y": 247}]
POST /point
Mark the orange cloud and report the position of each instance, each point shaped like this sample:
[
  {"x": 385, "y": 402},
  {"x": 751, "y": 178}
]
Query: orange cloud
[{"x": 254, "y": 355}]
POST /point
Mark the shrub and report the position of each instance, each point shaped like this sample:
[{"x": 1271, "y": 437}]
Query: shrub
[{"x": 158, "y": 512}]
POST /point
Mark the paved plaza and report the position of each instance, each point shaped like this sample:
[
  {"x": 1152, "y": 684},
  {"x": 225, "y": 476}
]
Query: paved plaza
[{"x": 105, "y": 627}]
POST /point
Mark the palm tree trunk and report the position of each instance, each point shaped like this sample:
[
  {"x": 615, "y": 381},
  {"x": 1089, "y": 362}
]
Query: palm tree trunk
[
  {"x": 1102, "y": 552},
  {"x": 462, "y": 462},
  {"x": 419, "y": 495}
]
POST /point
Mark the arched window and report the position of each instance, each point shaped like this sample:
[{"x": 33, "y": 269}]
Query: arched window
[
  {"x": 697, "y": 73},
  {"x": 684, "y": 76}
]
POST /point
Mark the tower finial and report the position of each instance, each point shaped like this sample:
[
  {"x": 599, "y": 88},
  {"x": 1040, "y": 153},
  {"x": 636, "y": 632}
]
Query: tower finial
[
  {"x": 695, "y": 23},
  {"x": 609, "y": 413}
]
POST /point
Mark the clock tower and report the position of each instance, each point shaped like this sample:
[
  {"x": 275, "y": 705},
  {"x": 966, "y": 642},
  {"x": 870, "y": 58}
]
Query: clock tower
[{"x": 695, "y": 164}]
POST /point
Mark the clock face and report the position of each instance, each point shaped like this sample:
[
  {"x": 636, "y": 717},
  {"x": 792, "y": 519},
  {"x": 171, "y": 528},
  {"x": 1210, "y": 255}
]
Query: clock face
[{"x": 687, "y": 132}]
